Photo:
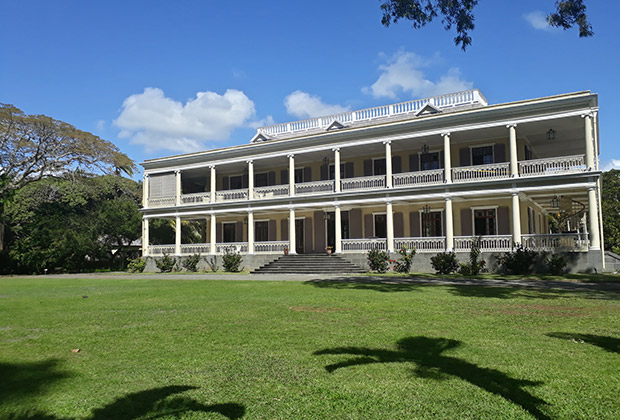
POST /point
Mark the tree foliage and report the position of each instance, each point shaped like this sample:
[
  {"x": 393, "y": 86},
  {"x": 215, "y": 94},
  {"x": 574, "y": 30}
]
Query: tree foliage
[
  {"x": 460, "y": 14},
  {"x": 610, "y": 207},
  {"x": 74, "y": 222},
  {"x": 36, "y": 146}
]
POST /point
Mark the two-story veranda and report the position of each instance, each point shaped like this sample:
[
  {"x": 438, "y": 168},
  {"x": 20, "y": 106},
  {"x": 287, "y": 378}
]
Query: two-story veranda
[{"x": 429, "y": 174}]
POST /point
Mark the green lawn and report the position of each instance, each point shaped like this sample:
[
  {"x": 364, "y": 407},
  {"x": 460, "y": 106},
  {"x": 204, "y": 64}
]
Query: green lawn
[{"x": 295, "y": 350}]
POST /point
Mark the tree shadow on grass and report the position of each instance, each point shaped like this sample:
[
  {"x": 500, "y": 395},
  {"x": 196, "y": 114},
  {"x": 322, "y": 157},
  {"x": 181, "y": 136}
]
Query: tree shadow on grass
[
  {"x": 23, "y": 380},
  {"x": 609, "y": 344},
  {"x": 378, "y": 284},
  {"x": 426, "y": 354},
  {"x": 20, "y": 381}
]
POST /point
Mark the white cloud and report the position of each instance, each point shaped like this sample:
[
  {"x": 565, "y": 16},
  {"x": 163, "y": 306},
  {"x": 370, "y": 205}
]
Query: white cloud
[
  {"x": 158, "y": 122},
  {"x": 538, "y": 20},
  {"x": 262, "y": 122},
  {"x": 304, "y": 105},
  {"x": 402, "y": 74},
  {"x": 612, "y": 164},
  {"x": 100, "y": 125}
]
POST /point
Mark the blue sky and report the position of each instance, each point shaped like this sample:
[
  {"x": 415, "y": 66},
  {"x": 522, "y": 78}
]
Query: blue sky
[{"x": 159, "y": 77}]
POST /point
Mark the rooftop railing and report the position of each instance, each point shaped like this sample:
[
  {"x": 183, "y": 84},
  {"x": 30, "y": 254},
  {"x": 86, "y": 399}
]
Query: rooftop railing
[{"x": 450, "y": 100}]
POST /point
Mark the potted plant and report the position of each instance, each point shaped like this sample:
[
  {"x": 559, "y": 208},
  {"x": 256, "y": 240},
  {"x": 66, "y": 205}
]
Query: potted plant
[
  {"x": 328, "y": 250},
  {"x": 286, "y": 251}
]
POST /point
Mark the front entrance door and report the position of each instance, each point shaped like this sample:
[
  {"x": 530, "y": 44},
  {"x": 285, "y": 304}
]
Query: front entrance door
[{"x": 299, "y": 236}]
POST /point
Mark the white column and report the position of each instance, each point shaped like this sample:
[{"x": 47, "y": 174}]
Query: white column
[
  {"x": 250, "y": 232},
  {"x": 589, "y": 142},
  {"x": 291, "y": 232},
  {"x": 389, "y": 221},
  {"x": 336, "y": 170},
  {"x": 145, "y": 237},
  {"x": 291, "y": 175},
  {"x": 388, "y": 164},
  {"x": 338, "y": 229},
  {"x": 212, "y": 235},
  {"x": 514, "y": 163},
  {"x": 145, "y": 191},
  {"x": 177, "y": 236},
  {"x": 178, "y": 187},
  {"x": 516, "y": 219},
  {"x": 250, "y": 180},
  {"x": 595, "y": 239},
  {"x": 447, "y": 161},
  {"x": 213, "y": 184},
  {"x": 449, "y": 226}
]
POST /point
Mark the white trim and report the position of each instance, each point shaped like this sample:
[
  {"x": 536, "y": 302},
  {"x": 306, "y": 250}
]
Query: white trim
[
  {"x": 496, "y": 206},
  {"x": 405, "y": 136},
  {"x": 381, "y": 200}
]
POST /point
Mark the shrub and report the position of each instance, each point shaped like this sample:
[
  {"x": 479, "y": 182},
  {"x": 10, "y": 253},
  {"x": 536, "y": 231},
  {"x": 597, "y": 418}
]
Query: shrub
[
  {"x": 445, "y": 263},
  {"x": 378, "y": 260},
  {"x": 232, "y": 261},
  {"x": 166, "y": 263},
  {"x": 520, "y": 261},
  {"x": 212, "y": 263},
  {"x": 556, "y": 264},
  {"x": 136, "y": 265},
  {"x": 475, "y": 265},
  {"x": 403, "y": 263},
  {"x": 191, "y": 263}
]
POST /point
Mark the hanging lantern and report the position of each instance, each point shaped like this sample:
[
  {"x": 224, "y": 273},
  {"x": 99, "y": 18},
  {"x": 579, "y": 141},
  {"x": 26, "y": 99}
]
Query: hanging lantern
[
  {"x": 551, "y": 134},
  {"x": 555, "y": 202}
]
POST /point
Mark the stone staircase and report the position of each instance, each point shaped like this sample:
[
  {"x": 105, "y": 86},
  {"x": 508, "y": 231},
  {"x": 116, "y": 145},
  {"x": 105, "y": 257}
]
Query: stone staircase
[{"x": 309, "y": 264}]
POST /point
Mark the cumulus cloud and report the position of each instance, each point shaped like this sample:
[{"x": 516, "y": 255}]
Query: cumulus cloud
[
  {"x": 304, "y": 105},
  {"x": 158, "y": 122},
  {"x": 402, "y": 73},
  {"x": 538, "y": 20},
  {"x": 612, "y": 164}
]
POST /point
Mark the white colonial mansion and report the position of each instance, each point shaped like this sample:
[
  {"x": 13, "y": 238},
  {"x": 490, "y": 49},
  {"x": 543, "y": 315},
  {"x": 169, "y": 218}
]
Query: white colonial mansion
[{"x": 429, "y": 173}]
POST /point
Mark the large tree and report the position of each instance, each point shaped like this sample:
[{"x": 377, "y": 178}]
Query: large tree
[
  {"x": 72, "y": 221},
  {"x": 460, "y": 13},
  {"x": 610, "y": 206},
  {"x": 36, "y": 146}
]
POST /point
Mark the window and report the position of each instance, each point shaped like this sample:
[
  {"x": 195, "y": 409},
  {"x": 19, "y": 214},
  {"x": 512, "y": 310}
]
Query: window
[
  {"x": 332, "y": 171},
  {"x": 299, "y": 175},
  {"x": 528, "y": 153},
  {"x": 481, "y": 155},
  {"x": 485, "y": 222},
  {"x": 261, "y": 180},
  {"x": 229, "y": 232},
  {"x": 236, "y": 182},
  {"x": 378, "y": 167},
  {"x": 380, "y": 226},
  {"x": 261, "y": 231},
  {"x": 429, "y": 161},
  {"x": 431, "y": 224}
]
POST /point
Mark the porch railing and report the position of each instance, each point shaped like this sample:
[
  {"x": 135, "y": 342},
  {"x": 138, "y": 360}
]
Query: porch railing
[
  {"x": 232, "y": 195},
  {"x": 197, "y": 198},
  {"x": 556, "y": 242},
  {"x": 480, "y": 172},
  {"x": 222, "y": 248},
  {"x": 363, "y": 183},
  {"x": 316, "y": 187},
  {"x": 552, "y": 166},
  {"x": 189, "y": 249},
  {"x": 422, "y": 245},
  {"x": 363, "y": 245},
  {"x": 270, "y": 247},
  {"x": 161, "y": 249},
  {"x": 271, "y": 191},
  {"x": 407, "y": 179},
  {"x": 162, "y": 201},
  {"x": 489, "y": 243}
]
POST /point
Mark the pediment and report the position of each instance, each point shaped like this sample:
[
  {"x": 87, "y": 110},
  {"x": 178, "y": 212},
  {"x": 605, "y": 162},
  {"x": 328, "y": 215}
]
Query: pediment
[
  {"x": 335, "y": 125},
  {"x": 427, "y": 110}
]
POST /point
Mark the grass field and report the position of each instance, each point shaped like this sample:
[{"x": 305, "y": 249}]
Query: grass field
[{"x": 304, "y": 350}]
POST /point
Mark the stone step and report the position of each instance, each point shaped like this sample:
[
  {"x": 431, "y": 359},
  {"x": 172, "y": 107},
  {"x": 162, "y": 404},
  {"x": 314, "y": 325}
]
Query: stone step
[{"x": 309, "y": 264}]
